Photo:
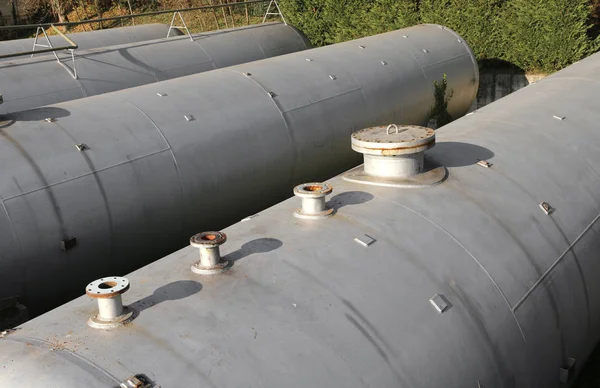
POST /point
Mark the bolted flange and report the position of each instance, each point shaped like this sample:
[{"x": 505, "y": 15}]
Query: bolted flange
[
  {"x": 210, "y": 262},
  {"x": 394, "y": 156},
  {"x": 313, "y": 200},
  {"x": 111, "y": 313}
]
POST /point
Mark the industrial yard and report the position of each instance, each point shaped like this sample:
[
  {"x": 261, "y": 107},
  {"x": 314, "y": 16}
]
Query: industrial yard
[{"x": 292, "y": 193}]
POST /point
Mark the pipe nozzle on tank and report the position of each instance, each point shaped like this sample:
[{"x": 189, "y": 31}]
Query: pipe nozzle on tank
[
  {"x": 393, "y": 151},
  {"x": 210, "y": 256},
  {"x": 313, "y": 200},
  {"x": 394, "y": 156},
  {"x": 107, "y": 292}
]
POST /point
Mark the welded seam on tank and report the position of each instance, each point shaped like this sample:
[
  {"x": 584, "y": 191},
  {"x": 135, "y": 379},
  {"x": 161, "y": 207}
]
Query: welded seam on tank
[
  {"x": 302, "y": 39},
  {"x": 166, "y": 142},
  {"x": 551, "y": 268},
  {"x": 416, "y": 60},
  {"x": 481, "y": 266},
  {"x": 214, "y": 64},
  {"x": 281, "y": 113},
  {"x": 62, "y": 352},
  {"x": 324, "y": 99},
  {"x": 12, "y": 226},
  {"x": 86, "y": 174},
  {"x": 446, "y": 60}
]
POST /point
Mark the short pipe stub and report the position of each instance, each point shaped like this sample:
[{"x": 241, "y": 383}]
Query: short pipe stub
[
  {"x": 111, "y": 312},
  {"x": 210, "y": 262},
  {"x": 313, "y": 200}
]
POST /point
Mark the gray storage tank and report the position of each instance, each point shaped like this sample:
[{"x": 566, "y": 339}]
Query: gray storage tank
[
  {"x": 486, "y": 279},
  {"x": 93, "y": 39},
  {"x": 33, "y": 82},
  {"x": 112, "y": 182}
]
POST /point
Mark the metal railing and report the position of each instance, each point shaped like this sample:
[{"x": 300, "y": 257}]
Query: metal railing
[
  {"x": 72, "y": 45},
  {"x": 151, "y": 13}
]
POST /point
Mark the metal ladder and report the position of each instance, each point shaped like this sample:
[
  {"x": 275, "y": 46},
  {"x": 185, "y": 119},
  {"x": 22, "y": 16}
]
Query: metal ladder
[{"x": 278, "y": 13}]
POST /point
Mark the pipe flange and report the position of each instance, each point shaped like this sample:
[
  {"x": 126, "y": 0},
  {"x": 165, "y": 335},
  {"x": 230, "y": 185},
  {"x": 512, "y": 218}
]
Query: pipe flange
[
  {"x": 221, "y": 266},
  {"x": 298, "y": 213},
  {"x": 96, "y": 323},
  {"x": 208, "y": 239},
  {"x": 393, "y": 140},
  {"x": 108, "y": 287},
  {"x": 312, "y": 190}
]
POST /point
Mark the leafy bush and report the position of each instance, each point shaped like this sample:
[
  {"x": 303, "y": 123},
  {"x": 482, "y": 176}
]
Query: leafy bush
[
  {"x": 536, "y": 35},
  {"x": 547, "y": 35}
]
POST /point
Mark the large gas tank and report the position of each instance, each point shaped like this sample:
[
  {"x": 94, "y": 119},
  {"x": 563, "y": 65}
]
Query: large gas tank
[
  {"x": 112, "y": 182},
  {"x": 477, "y": 269},
  {"x": 34, "y": 82}
]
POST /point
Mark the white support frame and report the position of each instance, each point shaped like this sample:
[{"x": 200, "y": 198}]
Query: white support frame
[
  {"x": 49, "y": 45},
  {"x": 278, "y": 13},
  {"x": 182, "y": 22}
]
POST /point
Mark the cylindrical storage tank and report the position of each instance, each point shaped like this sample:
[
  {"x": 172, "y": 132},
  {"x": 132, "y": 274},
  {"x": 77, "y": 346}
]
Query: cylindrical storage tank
[
  {"x": 92, "y": 39},
  {"x": 487, "y": 279},
  {"x": 112, "y": 182},
  {"x": 33, "y": 82}
]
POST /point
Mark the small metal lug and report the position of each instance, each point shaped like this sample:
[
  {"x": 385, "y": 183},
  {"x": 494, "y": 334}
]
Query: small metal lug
[
  {"x": 333, "y": 77},
  {"x": 50, "y": 119},
  {"x": 247, "y": 74},
  {"x": 137, "y": 381},
  {"x": 366, "y": 241},
  {"x": 405, "y": 36},
  {"x": 210, "y": 262},
  {"x": 272, "y": 95},
  {"x": 189, "y": 117},
  {"x": 484, "y": 163},
  {"x": 545, "y": 206},
  {"x": 384, "y": 63},
  {"x": 309, "y": 59},
  {"x": 566, "y": 374},
  {"x": 559, "y": 118},
  {"x": 81, "y": 147},
  {"x": 361, "y": 46},
  {"x": 6, "y": 332},
  {"x": 68, "y": 243},
  {"x": 460, "y": 41},
  {"x": 440, "y": 303},
  {"x": 425, "y": 51},
  {"x": 161, "y": 94}
]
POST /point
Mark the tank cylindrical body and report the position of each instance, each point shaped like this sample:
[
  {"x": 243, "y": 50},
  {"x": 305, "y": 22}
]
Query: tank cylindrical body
[
  {"x": 161, "y": 162},
  {"x": 468, "y": 283},
  {"x": 92, "y": 39},
  {"x": 33, "y": 82}
]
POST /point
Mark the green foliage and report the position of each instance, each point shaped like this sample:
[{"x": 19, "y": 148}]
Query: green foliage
[
  {"x": 334, "y": 21},
  {"x": 439, "y": 112},
  {"x": 535, "y": 35},
  {"x": 547, "y": 35},
  {"x": 478, "y": 21}
]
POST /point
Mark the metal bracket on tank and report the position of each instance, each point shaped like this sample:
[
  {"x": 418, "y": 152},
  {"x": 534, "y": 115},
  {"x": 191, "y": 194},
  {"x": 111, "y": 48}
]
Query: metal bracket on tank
[
  {"x": 278, "y": 13},
  {"x": 50, "y": 46},
  {"x": 185, "y": 27}
]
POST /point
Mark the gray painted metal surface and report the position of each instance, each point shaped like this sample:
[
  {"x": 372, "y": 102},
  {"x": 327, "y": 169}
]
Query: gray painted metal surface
[
  {"x": 465, "y": 284},
  {"x": 94, "y": 39},
  {"x": 161, "y": 161},
  {"x": 30, "y": 83}
]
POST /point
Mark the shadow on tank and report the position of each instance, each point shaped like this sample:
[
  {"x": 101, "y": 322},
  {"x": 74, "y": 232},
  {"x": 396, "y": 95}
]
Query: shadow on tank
[
  {"x": 48, "y": 113},
  {"x": 259, "y": 245},
  {"x": 457, "y": 154},
  {"x": 173, "y": 291},
  {"x": 349, "y": 198}
]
